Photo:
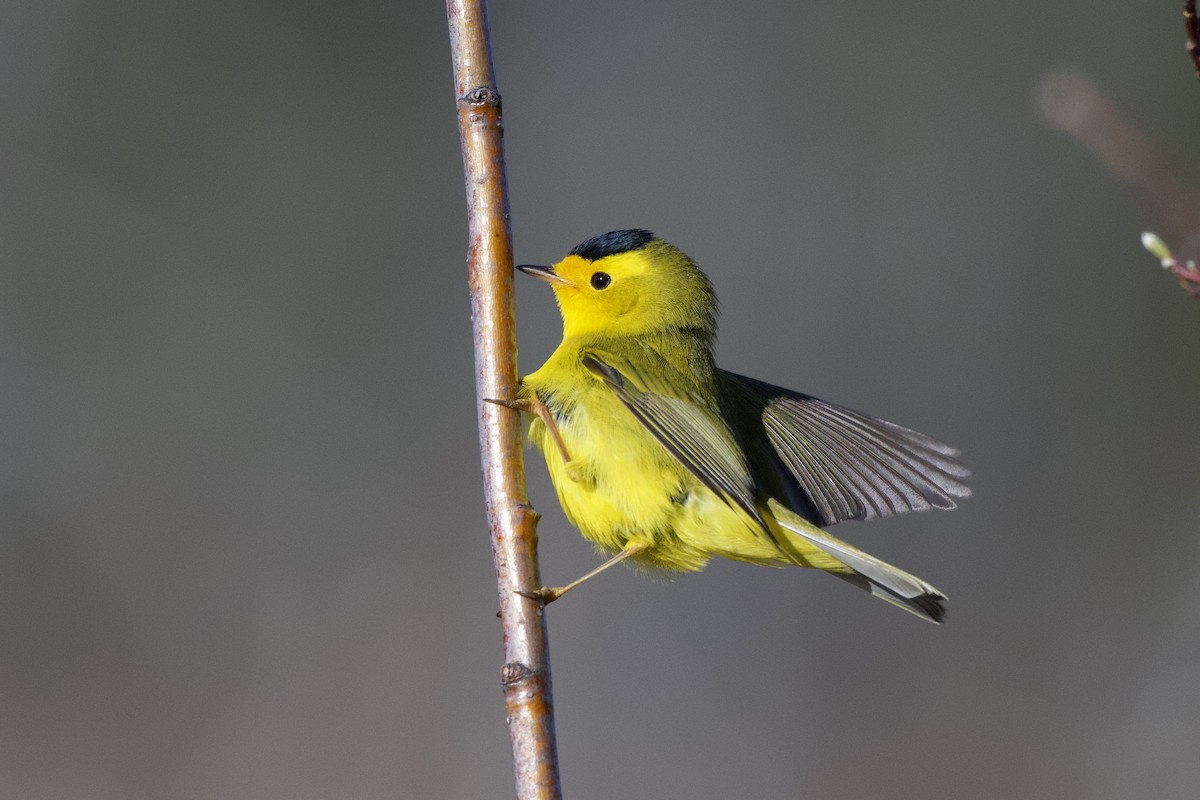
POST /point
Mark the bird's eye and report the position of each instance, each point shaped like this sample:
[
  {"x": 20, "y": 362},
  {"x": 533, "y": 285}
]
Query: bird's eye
[{"x": 600, "y": 280}]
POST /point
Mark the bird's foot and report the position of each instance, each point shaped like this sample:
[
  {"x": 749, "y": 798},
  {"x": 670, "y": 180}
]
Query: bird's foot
[
  {"x": 545, "y": 595},
  {"x": 520, "y": 404}
]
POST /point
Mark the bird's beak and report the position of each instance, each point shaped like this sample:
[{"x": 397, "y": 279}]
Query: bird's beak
[{"x": 546, "y": 274}]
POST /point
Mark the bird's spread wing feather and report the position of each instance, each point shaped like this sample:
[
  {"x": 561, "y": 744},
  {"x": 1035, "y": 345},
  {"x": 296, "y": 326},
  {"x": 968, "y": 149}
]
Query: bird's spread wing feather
[
  {"x": 852, "y": 466},
  {"x": 682, "y": 420}
]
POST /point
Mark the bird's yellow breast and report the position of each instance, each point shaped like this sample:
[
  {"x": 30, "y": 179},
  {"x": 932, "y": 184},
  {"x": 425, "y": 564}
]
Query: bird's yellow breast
[{"x": 620, "y": 486}]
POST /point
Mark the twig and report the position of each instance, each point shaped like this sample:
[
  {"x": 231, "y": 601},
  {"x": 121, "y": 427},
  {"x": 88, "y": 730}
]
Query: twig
[
  {"x": 526, "y": 673},
  {"x": 1193, "y": 33},
  {"x": 1186, "y": 272},
  {"x": 1073, "y": 103}
]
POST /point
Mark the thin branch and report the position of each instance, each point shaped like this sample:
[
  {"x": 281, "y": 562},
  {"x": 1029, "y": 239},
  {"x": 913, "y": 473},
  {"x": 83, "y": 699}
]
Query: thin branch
[
  {"x": 1186, "y": 272},
  {"x": 1193, "y": 33},
  {"x": 525, "y": 676},
  {"x": 1071, "y": 102}
]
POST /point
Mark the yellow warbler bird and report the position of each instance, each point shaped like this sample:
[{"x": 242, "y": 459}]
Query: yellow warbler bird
[{"x": 660, "y": 458}]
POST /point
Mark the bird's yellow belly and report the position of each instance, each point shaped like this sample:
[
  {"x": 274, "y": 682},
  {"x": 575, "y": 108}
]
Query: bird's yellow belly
[
  {"x": 617, "y": 487},
  {"x": 621, "y": 487}
]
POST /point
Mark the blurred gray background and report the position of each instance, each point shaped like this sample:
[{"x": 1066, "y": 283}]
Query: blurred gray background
[{"x": 242, "y": 544}]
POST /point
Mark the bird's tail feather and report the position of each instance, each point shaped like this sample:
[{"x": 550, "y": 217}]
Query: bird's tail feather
[{"x": 865, "y": 571}]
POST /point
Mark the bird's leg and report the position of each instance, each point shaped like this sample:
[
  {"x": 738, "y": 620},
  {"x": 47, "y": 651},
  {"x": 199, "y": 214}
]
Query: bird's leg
[
  {"x": 534, "y": 405},
  {"x": 548, "y": 595}
]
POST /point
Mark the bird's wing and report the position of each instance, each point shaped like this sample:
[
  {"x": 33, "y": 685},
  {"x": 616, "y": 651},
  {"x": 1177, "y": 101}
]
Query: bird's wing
[
  {"x": 851, "y": 465},
  {"x": 878, "y": 577},
  {"x": 682, "y": 420}
]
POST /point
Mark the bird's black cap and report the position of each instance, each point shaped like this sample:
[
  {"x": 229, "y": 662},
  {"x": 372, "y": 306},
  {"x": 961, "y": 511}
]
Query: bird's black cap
[{"x": 613, "y": 242}]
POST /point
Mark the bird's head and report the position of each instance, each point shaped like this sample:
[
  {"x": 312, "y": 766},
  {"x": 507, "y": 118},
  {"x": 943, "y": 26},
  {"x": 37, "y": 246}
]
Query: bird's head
[{"x": 629, "y": 283}]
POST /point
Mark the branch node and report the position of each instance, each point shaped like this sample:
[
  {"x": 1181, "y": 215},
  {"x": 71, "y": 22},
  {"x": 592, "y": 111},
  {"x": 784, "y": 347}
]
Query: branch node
[
  {"x": 528, "y": 512},
  {"x": 482, "y": 96},
  {"x": 516, "y": 672}
]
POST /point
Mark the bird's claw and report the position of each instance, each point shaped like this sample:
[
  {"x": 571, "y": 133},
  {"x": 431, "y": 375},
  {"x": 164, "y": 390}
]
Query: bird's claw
[
  {"x": 521, "y": 404},
  {"x": 545, "y": 595}
]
